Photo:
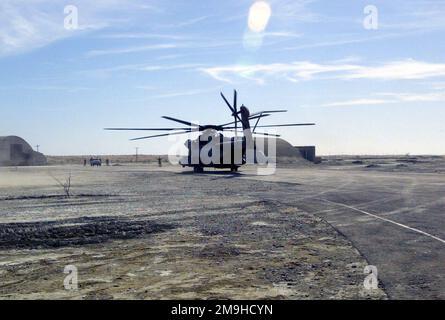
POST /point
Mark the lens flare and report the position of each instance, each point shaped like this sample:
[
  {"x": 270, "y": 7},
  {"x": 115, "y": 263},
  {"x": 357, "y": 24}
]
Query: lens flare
[{"x": 259, "y": 15}]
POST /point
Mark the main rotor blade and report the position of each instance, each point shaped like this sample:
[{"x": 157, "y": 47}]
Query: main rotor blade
[
  {"x": 234, "y": 112},
  {"x": 227, "y": 102},
  {"x": 268, "y": 111},
  {"x": 260, "y": 116},
  {"x": 261, "y": 133},
  {"x": 145, "y": 129},
  {"x": 235, "y": 94},
  {"x": 235, "y": 99},
  {"x": 287, "y": 125},
  {"x": 187, "y": 123},
  {"x": 250, "y": 118},
  {"x": 267, "y": 134},
  {"x": 160, "y": 135}
]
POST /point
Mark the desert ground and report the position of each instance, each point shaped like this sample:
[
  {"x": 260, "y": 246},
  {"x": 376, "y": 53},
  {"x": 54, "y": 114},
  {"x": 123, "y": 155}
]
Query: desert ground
[{"x": 139, "y": 231}]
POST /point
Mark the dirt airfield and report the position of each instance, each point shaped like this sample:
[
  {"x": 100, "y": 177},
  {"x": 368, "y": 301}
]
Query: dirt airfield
[{"x": 137, "y": 231}]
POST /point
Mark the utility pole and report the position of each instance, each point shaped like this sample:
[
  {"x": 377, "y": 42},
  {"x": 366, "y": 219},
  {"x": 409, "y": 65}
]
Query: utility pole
[
  {"x": 37, "y": 147},
  {"x": 137, "y": 149}
]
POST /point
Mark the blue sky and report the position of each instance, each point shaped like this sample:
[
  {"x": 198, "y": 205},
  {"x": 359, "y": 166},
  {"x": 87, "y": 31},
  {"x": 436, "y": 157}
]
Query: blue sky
[{"x": 130, "y": 62}]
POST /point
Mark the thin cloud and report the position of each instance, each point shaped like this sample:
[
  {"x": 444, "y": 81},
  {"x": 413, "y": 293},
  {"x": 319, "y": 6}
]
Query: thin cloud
[
  {"x": 179, "y": 94},
  {"x": 191, "y": 92},
  {"x": 416, "y": 97},
  {"x": 71, "y": 89},
  {"x": 400, "y": 70},
  {"x": 163, "y": 46},
  {"x": 282, "y": 34},
  {"x": 438, "y": 85},
  {"x": 186, "y": 23},
  {"x": 189, "y": 66},
  {"x": 390, "y": 98},
  {"x": 305, "y": 70},
  {"x": 425, "y": 16},
  {"x": 357, "y": 102},
  {"x": 169, "y": 56},
  {"x": 294, "y": 11},
  {"x": 141, "y": 67},
  {"x": 146, "y": 88},
  {"x": 24, "y": 27},
  {"x": 143, "y": 35},
  {"x": 301, "y": 70},
  {"x": 340, "y": 42},
  {"x": 28, "y": 25},
  {"x": 145, "y": 67},
  {"x": 95, "y": 53}
]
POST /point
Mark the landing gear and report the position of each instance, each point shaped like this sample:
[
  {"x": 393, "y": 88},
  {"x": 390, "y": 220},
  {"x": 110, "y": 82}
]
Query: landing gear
[
  {"x": 234, "y": 169},
  {"x": 198, "y": 169}
]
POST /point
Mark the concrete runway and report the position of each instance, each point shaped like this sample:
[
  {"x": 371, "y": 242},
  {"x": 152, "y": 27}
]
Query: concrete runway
[{"x": 396, "y": 220}]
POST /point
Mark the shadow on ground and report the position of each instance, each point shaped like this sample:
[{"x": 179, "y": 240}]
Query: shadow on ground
[{"x": 74, "y": 232}]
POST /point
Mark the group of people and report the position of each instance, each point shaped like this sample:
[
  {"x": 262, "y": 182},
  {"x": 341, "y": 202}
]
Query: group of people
[
  {"x": 97, "y": 162},
  {"x": 94, "y": 162}
]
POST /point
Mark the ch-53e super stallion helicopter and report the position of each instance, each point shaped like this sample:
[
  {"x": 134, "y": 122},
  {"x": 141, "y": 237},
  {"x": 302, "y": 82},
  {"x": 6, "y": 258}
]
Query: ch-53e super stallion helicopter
[{"x": 212, "y": 149}]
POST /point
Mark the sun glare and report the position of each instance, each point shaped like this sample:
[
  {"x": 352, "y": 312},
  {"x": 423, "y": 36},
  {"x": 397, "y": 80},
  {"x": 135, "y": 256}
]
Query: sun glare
[{"x": 259, "y": 15}]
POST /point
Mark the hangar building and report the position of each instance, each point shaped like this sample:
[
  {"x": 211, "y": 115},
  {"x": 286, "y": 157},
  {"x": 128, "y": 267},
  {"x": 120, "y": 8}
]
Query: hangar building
[
  {"x": 14, "y": 151},
  {"x": 285, "y": 152}
]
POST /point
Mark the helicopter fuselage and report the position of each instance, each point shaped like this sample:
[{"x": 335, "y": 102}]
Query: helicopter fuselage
[{"x": 212, "y": 149}]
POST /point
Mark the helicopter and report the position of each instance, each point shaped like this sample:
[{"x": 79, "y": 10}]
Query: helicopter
[{"x": 214, "y": 150}]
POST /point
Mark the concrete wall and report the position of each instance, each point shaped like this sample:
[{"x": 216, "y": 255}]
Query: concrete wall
[
  {"x": 285, "y": 152},
  {"x": 307, "y": 152},
  {"x": 4, "y": 152}
]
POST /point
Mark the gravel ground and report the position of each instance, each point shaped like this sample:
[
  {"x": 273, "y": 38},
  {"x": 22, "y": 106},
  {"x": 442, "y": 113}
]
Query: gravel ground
[{"x": 138, "y": 232}]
